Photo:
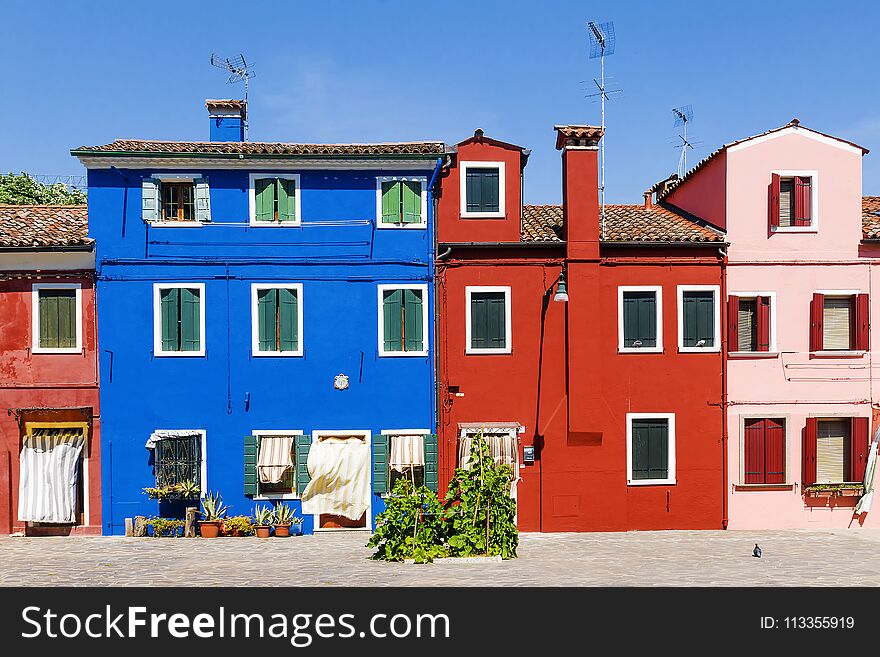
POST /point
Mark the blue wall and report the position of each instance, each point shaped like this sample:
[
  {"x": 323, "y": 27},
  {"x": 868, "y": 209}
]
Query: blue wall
[{"x": 228, "y": 392}]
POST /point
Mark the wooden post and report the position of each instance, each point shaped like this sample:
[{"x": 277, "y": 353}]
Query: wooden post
[
  {"x": 189, "y": 528},
  {"x": 140, "y": 526},
  {"x": 129, "y": 527}
]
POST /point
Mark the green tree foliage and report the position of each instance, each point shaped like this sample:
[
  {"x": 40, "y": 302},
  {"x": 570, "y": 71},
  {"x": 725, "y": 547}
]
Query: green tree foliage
[
  {"x": 23, "y": 190},
  {"x": 410, "y": 527}
]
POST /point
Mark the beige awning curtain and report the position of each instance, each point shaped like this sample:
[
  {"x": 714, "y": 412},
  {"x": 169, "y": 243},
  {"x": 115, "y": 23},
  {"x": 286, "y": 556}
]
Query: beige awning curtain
[
  {"x": 339, "y": 468},
  {"x": 837, "y": 320},
  {"x": 501, "y": 446},
  {"x": 407, "y": 452},
  {"x": 47, "y": 476},
  {"x": 275, "y": 458}
]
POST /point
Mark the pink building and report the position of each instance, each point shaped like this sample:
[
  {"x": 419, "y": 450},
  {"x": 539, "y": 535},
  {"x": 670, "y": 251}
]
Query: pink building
[{"x": 800, "y": 396}]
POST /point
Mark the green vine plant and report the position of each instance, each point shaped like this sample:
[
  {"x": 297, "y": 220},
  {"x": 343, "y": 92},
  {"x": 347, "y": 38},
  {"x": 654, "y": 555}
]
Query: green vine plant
[{"x": 410, "y": 527}]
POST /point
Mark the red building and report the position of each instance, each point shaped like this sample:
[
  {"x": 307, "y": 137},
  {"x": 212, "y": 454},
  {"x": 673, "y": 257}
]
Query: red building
[
  {"x": 590, "y": 344},
  {"x": 50, "y": 474}
]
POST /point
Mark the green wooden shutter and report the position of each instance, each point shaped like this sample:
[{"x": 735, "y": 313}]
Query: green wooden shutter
[
  {"x": 489, "y": 190},
  {"x": 479, "y": 322},
  {"x": 170, "y": 309},
  {"x": 190, "y": 319},
  {"x": 380, "y": 464},
  {"x": 431, "y": 462},
  {"x": 66, "y": 318},
  {"x": 264, "y": 199},
  {"x": 639, "y": 319},
  {"x": 150, "y": 202},
  {"x": 286, "y": 200},
  {"x": 413, "y": 320},
  {"x": 203, "y": 200},
  {"x": 303, "y": 444},
  {"x": 392, "y": 309},
  {"x": 251, "y": 453},
  {"x": 412, "y": 202},
  {"x": 48, "y": 329},
  {"x": 266, "y": 308},
  {"x": 288, "y": 319},
  {"x": 698, "y": 317},
  {"x": 473, "y": 189},
  {"x": 390, "y": 202},
  {"x": 497, "y": 325}
]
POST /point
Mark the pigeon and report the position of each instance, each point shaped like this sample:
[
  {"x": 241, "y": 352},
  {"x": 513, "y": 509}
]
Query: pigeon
[{"x": 757, "y": 551}]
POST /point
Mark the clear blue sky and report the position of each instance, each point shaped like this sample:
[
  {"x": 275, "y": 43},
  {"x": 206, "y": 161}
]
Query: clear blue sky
[{"x": 84, "y": 73}]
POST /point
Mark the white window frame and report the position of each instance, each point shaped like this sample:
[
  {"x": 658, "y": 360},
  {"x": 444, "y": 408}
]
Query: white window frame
[
  {"x": 381, "y": 289},
  {"x": 773, "y": 349},
  {"x": 204, "y": 465},
  {"x": 716, "y": 293},
  {"x": 269, "y": 497},
  {"x": 157, "y": 320},
  {"x": 252, "y": 201},
  {"x": 742, "y": 447},
  {"x": 35, "y": 318},
  {"x": 814, "y": 200},
  {"x": 423, "y": 180},
  {"x": 175, "y": 178},
  {"x": 658, "y": 295},
  {"x": 255, "y": 319},
  {"x": 508, "y": 319},
  {"x": 670, "y": 479},
  {"x": 368, "y": 438},
  {"x": 463, "y": 169},
  {"x": 841, "y": 352}
]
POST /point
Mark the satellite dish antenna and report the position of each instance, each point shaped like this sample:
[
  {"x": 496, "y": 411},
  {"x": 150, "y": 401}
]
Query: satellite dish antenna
[
  {"x": 238, "y": 70},
  {"x": 602, "y": 43},
  {"x": 683, "y": 116}
]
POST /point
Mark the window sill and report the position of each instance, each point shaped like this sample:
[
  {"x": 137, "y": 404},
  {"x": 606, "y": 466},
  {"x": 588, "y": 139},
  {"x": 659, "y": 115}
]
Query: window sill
[
  {"x": 753, "y": 354},
  {"x": 640, "y": 350},
  {"x": 277, "y": 354},
  {"x": 483, "y": 215},
  {"x": 269, "y": 497},
  {"x": 275, "y": 224},
  {"x": 402, "y": 354},
  {"x": 795, "y": 229},
  {"x": 746, "y": 487},
  {"x": 181, "y": 354},
  {"x": 176, "y": 224},
  {"x": 699, "y": 350},
  {"x": 381, "y": 226},
  {"x": 838, "y": 354},
  {"x": 651, "y": 482},
  {"x": 486, "y": 352},
  {"x": 38, "y": 351}
]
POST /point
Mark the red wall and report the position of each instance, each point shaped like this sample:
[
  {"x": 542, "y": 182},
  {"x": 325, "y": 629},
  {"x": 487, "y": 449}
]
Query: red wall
[
  {"x": 44, "y": 381},
  {"x": 708, "y": 201}
]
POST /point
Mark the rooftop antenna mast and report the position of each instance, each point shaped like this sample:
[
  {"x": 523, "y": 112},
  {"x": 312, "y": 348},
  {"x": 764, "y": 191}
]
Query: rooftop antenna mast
[
  {"x": 601, "y": 44},
  {"x": 238, "y": 70},
  {"x": 683, "y": 116}
]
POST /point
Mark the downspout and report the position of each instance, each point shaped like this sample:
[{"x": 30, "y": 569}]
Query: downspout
[
  {"x": 432, "y": 273},
  {"x": 724, "y": 401}
]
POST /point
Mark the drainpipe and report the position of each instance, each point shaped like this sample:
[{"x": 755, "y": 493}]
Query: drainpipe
[
  {"x": 724, "y": 401},
  {"x": 432, "y": 273}
]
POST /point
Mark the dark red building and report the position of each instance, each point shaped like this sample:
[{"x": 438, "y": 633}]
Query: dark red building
[
  {"x": 50, "y": 460},
  {"x": 591, "y": 344}
]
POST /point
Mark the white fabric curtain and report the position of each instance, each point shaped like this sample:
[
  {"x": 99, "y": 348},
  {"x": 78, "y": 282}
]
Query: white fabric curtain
[
  {"x": 47, "y": 475},
  {"x": 407, "y": 452},
  {"x": 866, "y": 500},
  {"x": 275, "y": 458},
  {"x": 161, "y": 434},
  {"x": 340, "y": 478},
  {"x": 502, "y": 447}
]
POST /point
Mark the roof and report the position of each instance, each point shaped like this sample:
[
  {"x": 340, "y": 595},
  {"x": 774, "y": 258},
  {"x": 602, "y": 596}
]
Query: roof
[
  {"x": 623, "y": 223},
  {"x": 794, "y": 123},
  {"x": 871, "y": 217},
  {"x": 479, "y": 136},
  {"x": 151, "y": 147},
  {"x": 590, "y": 133},
  {"x": 43, "y": 225}
]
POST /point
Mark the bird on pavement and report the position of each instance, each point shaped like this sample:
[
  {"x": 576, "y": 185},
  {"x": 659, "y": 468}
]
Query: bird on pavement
[{"x": 757, "y": 551}]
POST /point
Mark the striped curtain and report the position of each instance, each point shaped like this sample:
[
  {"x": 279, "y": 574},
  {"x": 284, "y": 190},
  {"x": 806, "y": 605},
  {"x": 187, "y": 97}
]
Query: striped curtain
[
  {"x": 47, "y": 475},
  {"x": 502, "y": 447},
  {"x": 832, "y": 445},
  {"x": 747, "y": 325},
  {"x": 406, "y": 452},
  {"x": 275, "y": 458},
  {"x": 837, "y": 320}
]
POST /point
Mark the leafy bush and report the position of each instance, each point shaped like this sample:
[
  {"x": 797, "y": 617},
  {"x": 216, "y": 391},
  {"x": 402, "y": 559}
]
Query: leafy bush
[
  {"x": 410, "y": 527},
  {"x": 237, "y": 526},
  {"x": 183, "y": 491},
  {"x": 213, "y": 508},
  {"x": 165, "y": 527},
  {"x": 24, "y": 190}
]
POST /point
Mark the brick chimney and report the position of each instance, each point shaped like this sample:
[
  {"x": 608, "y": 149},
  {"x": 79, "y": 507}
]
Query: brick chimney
[
  {"x": 649, "y": 200},
  {"x": 580, "y": 188},
  {"x": 227, "y": 119}
]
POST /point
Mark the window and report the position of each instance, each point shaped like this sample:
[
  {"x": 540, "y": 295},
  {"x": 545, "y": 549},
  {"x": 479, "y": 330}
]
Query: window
[
  {"x": 179, "y": 319},
  {"x": 488, "y": 320},
  {"x": 832, "y": 451},
  {"x": 178, "y": 459},
  {"x": 835, "y": 450},
  {"x": 503, "y": 446},
  {"x": 482, "y": 190},
  {"x": 650, "y": 448},
  {"x": 839, "y": 321},
  {"x": 404, "y": 453},
  {"x": 270, "y": 463},
  {"x": 698, "y": 321},
  {"x": 176, "y": 199},
  {"x": 277, "y": 322},
  {"x": 274, "y": 199},
  {"x": 403, "y": 320},
  {"x": 401, "y": 202},
  {"x": 639, "y": 324},
  {"x": 764, "y": 451},
  {"x": 793, "y": 200},
  {"x": 57, "y": 318},
  {"x": 749, "y": 326}
]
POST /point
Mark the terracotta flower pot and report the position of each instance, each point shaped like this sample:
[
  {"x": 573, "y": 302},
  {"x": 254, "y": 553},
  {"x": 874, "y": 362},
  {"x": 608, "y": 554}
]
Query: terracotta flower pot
[
  {"x": 263, "y": 531},
  {"x": 850, "y": 492},
  {"x": 209, "y": 528},
  {"x": 282, "y": 531}
]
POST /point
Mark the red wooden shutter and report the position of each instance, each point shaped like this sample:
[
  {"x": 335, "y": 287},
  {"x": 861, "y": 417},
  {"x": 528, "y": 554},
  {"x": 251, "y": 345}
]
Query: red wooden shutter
[
  {"x": 774, "y": 451},
  {"x": 817, "y": 309},
  {"x": 763, "y": 320},
  {"x": 732, "y": 323},
  {"x": 811, "y": 431},
  {"x": 802, "y": 201},
  {"x": 773, "y": 209},
  {"x": 858, "y": 454},
  {"x": 753, "y": 446},
  {"x": 860, "y": 325}
]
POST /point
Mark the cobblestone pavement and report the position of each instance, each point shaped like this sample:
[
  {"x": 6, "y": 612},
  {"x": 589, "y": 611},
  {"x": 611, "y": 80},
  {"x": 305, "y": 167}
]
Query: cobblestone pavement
[{"x": 710, "y": 558}]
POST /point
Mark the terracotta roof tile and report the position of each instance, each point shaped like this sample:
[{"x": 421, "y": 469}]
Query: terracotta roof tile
[
  {"x": 541, "y": 223},
  {"x": 871, "y": 217},
  {"x": 43, "y": 225},
  {"x": 588, "y": 133},
  {"x": 150, "y": 147}
]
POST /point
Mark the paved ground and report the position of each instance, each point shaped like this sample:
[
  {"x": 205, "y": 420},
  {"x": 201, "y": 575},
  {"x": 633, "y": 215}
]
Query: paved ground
[{"x": 791, "y": 558}]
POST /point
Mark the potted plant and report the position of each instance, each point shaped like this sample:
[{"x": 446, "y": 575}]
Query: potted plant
[
  {"x": 213, "y": 510},
  {"x": 263, "y": 517},
  {"x": 283, "y": 519},
  {"x": 188, "y": 489}
]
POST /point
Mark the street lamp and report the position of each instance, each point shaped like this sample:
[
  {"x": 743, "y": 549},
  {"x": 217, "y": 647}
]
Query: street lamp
[{"x": 561, "y": 291}]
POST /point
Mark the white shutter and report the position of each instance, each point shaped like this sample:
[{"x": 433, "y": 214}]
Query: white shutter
[
  {"x": 831, "y": 448},
  {"x": 203, "y": 200},
  {"x": 150, "y": 204},
  {"x": 837, "y": 322},
  {"x": 746, "y": 325}
]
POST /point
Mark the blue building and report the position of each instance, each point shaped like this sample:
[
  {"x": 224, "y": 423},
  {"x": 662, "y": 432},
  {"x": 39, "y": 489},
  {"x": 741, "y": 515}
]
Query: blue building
[{"x": 265, "y": 321}]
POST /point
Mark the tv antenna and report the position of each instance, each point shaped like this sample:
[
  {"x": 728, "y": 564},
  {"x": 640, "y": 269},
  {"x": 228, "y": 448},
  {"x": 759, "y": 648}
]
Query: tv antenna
[
  {"x": 238, "y": 70},
  {"x": 683, "y": 116},
  {"x": 602, "y": 44}
]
